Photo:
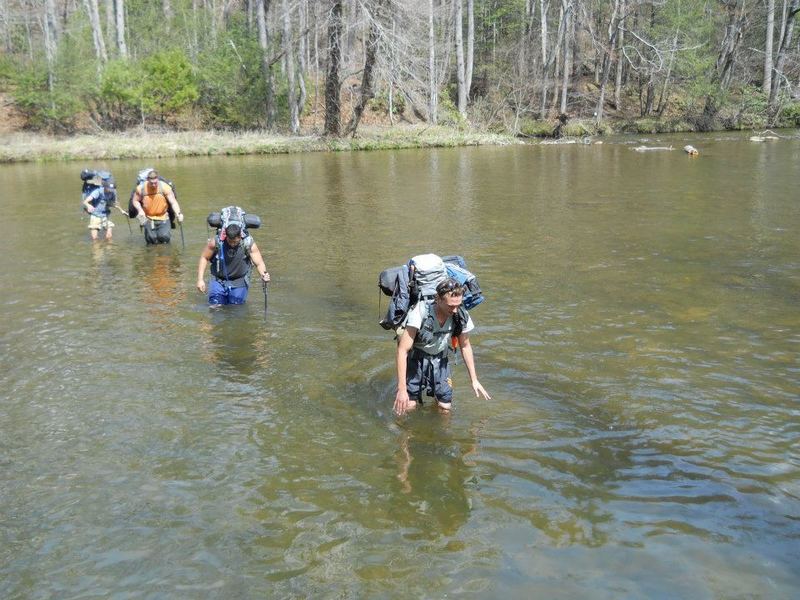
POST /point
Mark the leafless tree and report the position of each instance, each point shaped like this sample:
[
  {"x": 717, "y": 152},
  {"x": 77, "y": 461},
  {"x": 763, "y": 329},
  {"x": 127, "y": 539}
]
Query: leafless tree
[
  {"x": 371, "y": 55},
  {"x": 333, "y": 108},
  {"x": 617, "y": 17},
  {"x": 766, "y": 84},
  {"x": 119, "y": 13},
  {"x": 97, "y": 31},
  {"x": 460, "y": 69},
  {"x": 288, "y": 53},
  {"x": 787, "y": 30},
  {"x": 262, "y": 9},
  {"x": 470, "y": 47},
  {"x": 433, "y": 88}
]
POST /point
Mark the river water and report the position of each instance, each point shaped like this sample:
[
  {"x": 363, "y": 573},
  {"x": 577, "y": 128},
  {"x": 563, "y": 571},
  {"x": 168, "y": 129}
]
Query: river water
[{"x": 640, "y": 339}]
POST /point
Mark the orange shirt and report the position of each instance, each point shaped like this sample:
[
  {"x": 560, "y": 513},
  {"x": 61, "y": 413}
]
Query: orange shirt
[{"x": 154, "y": 199}]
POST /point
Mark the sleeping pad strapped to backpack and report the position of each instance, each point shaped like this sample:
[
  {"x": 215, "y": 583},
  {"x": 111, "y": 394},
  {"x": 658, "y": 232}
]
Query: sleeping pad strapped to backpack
[
  {"x": 233, "y": 214},
  {"x": 417, "y": 280}
]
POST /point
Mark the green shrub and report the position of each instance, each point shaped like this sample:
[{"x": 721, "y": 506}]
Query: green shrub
[
  {"x": 55, "y": 110},
  {"x": 448, "y": 112},
  {"x": 380, "y": 103},
  {"x": 536, "y": 128},
  {"x": 120, "y": 95},
  {"x": 231, "y": 83},
  {"x": 790, "y": 115},
  {"x": 578, "y": 128},
  {"x": 168, "y": 84},
  {"x": 644, "y": 126}
]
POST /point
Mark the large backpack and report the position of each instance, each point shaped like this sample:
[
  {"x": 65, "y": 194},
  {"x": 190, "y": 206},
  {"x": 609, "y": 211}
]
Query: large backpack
[
  {"x": 141, "y": 177},
  {"x": 417, "y": 280},
  {"x": 233, "y": 215},
  {"x": 90, "y": 178}
]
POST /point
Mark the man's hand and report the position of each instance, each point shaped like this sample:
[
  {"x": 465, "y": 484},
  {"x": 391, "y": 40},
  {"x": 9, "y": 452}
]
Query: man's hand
[
  {"x": 180, "y": 217},
  {"x": 142, "y": 218},
  {"x": 201, "y": 286},
  {"x": 478, "y": 389},
  {"x": 402, "y": 403},
  {"x": 265, "y": 277},
  {"x": 90, "y": 209}
]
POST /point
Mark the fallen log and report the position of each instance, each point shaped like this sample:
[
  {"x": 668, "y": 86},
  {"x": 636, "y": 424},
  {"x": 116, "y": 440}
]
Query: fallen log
[{"x": 646, "y": 148}]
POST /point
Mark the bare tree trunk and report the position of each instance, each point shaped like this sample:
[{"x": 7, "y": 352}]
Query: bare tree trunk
[
  {"x": 390, "y": 93},
  {"x": 367, "y": 89},
  {"x": 620, "y": 63},
  {"x": 110, "y": 28},
  {"x": 433, "y": 100},
  {"x": 663, "y": 99},
  {"x": 97, "y": 31},
  {"x": 262, "y": 8},
  {"x": 555, "y": 59},
  {"x": 766, "y": 85},
  {"x": 733, "y": 35},
  {"x": 650, "y": 95},
  {"x": 470, "y": 46},
  {"x": 50, "y": 40},
  {"x": 460, "y": 75},
  {"x": 613, "y": 30},
  {"x": 568, "y": 41},
  {"x": 316, "y": 59},
  {"x": 333, "y": 108},
  {"x": 543, "y": 7},
  {"x": 302, "y": 58},
  {"x": 783, "y": 48},
  {"x": 288, "y": 56},
  {"x": 119, "y": 12}
]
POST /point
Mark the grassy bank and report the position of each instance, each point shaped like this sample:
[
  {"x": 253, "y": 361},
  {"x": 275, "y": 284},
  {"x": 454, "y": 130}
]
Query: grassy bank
[{"x": 22, "y": 147}]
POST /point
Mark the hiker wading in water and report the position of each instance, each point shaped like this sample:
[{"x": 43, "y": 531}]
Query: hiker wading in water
[
  {"x": 151, "y": 199},
  {"x": 423, "y": 349},
  {"x": 231, "y": 257},
  {"x": 98, "y": 204}
]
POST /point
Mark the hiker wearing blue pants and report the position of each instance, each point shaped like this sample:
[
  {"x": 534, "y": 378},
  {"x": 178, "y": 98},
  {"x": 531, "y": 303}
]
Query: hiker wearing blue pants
[{"x": 231, "y": 257}]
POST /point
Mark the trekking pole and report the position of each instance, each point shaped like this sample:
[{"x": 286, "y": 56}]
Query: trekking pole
[
  {"x": 128, "y": 219},
  {"x": 183, "y": 242},
  {"x": 264, "y": 284}
]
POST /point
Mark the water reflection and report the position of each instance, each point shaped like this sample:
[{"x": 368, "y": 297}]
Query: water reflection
[
  {"x": 161, "y": 291},
  {"x": 235, "y": 340},
  {"x": 432, "y": 473}
]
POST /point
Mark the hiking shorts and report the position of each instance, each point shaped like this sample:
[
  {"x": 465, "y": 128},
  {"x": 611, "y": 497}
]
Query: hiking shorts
[
  {"x": 430, "y": 374},
  {"x": 157, "y": 232},
  {"x": 100, "y": 222},
  {"x": 223, "y": 294}
]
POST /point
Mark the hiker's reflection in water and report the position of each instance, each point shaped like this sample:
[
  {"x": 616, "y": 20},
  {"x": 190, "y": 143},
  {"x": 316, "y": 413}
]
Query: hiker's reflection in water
[
  {"x": 433, "y": 467},
  {"x": 162, "y": 291}
]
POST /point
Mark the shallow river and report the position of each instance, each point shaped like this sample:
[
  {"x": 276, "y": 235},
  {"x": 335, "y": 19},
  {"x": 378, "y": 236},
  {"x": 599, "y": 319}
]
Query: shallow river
[{"x": 640, "y": 339}]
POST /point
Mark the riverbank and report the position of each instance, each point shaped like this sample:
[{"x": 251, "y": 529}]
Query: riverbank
[{"x": 33, "y": 147}]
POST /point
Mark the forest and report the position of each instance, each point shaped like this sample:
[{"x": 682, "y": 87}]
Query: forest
[{"x": 327, "y": 67}]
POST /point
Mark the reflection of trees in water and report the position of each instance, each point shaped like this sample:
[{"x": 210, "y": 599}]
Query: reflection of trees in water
[{"x": 162, "y": 290}]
